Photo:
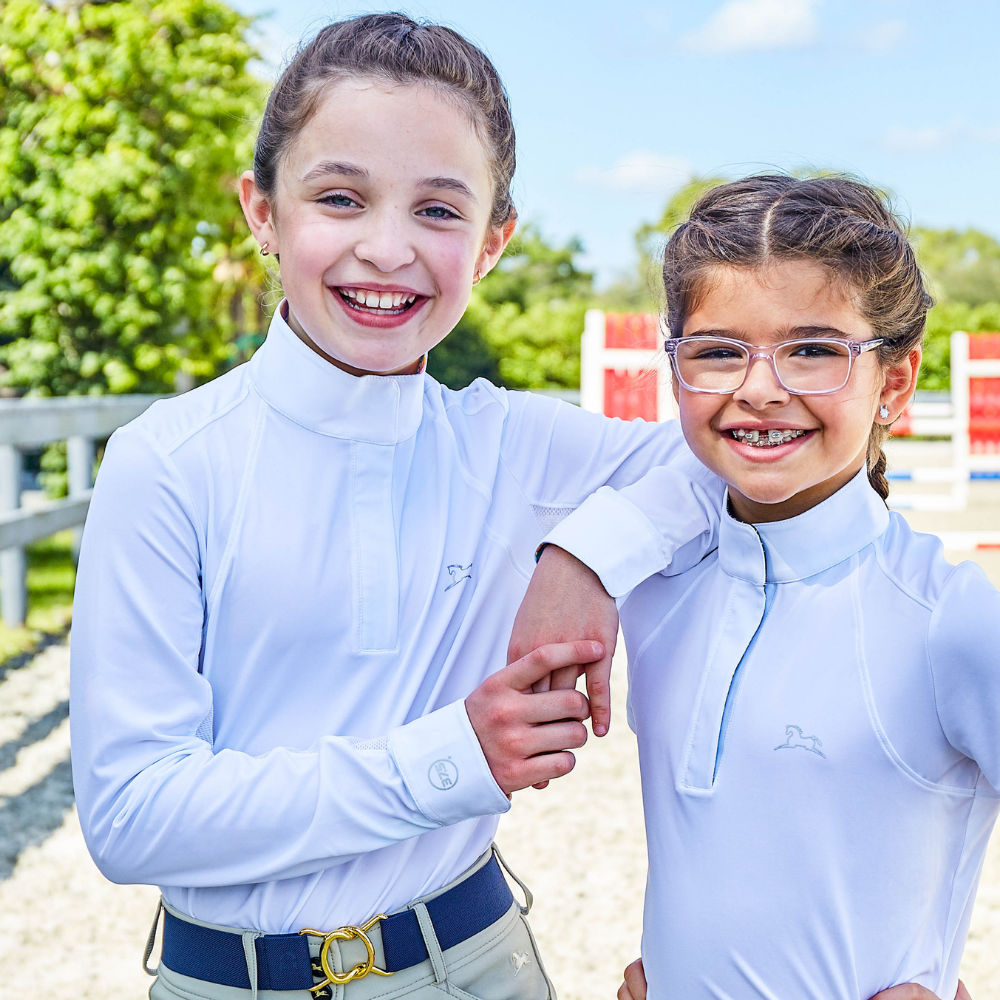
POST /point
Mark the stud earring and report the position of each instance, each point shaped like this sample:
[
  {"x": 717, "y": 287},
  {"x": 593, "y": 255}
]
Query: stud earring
[
  {"x": 477, "y": 278},
  {"x": 263, "y": 250},
  {"x": 883, "y": 411}
]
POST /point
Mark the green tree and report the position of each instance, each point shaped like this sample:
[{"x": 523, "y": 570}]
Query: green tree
[
  {"x": 961, "y": 266},
  {"x": 523, "y": 324},
  {"x": 122, "y": 131}
]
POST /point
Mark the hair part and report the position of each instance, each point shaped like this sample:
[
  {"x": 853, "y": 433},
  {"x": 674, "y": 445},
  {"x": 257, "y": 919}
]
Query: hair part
[
  {"x": 396, "y": 50},
  {"x": 837, "y": 222}
]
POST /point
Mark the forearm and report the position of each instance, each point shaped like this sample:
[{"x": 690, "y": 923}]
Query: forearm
[{"x": 178, "y": 813}]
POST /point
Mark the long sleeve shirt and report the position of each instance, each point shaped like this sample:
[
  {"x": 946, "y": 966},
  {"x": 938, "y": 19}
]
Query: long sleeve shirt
[
  {"x": 290, "y": 580},
  {"x": 817, "y": 705}
]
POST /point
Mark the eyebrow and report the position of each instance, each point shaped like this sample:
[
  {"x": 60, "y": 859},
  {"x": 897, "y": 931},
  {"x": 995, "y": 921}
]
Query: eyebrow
[
  {"x": 795, "y": 333},
  {"x": 450, "y": 184},
  {"x": 334, "y": 167}
]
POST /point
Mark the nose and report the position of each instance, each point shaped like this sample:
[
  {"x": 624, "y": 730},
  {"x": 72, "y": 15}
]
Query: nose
[
  {"x": 761, "y": 387},
  {"x": 383, "y": 242}
]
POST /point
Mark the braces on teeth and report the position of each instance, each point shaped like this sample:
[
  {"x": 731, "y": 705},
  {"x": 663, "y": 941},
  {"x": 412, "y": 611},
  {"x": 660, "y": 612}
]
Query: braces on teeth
[
  {"x": 766, "y": 439},
  {"x": 377, "y": 300}
]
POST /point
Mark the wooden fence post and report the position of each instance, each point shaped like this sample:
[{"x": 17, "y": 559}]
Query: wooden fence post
[{"x": 13, "y": 592}]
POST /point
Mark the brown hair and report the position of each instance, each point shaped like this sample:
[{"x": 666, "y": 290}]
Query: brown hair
[
  {"x": 394, "y": 48},
  {"x": 836, "y": 221}
]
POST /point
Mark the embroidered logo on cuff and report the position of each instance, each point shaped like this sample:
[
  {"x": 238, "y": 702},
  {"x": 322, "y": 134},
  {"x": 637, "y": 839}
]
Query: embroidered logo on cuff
[{"x": 443, "y": 774}]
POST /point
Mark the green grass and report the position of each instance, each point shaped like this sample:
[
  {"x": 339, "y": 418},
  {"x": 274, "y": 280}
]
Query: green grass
[{"x": 51, "y": 577}]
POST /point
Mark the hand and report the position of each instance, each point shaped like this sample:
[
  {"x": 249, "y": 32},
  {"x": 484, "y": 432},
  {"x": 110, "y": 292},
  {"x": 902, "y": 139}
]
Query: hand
[
  {"x": 634, "y": 987},
  {"x": 525, "y": 735},
  {"x": 566, "y": 600}
]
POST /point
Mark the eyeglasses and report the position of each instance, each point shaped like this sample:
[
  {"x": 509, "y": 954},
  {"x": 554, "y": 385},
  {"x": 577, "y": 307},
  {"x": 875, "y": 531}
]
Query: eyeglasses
[{"x": 812, "y": 367}]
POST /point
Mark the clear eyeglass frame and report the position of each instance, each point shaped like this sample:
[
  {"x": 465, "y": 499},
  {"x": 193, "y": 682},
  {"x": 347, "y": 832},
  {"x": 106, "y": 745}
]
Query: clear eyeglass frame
[{"x": 855, "y": 348}]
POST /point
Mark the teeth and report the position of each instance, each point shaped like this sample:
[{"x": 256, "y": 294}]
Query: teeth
[
  {"x": 377, "y": 300},
  {"x": 766, "y": 439}
]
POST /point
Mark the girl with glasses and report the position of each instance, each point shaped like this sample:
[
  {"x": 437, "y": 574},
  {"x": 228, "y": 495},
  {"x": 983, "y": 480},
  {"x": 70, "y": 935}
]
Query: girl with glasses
[{"x": 817, "y": 702}]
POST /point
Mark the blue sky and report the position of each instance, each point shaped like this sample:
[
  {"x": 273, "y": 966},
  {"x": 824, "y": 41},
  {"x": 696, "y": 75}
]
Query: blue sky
[{"x": 616, "y": 104}]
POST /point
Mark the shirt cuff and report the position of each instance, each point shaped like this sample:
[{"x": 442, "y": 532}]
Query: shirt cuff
[
  {"x": 614, "y": 538},
  {"x": 444, "y": 768}
]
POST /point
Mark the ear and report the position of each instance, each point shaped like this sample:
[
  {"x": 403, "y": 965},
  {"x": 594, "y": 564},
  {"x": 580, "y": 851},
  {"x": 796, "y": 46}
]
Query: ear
[
  {"x": 257, "y": 210},
  {"x": 496, "y": 242},
  {"x": 900, "y": 384}
]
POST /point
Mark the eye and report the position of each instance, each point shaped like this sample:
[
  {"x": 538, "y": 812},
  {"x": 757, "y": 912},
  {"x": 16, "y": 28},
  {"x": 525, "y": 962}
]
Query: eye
[
  {"x": 339, "y": 200},
  {"x": 817, "y": 349},
  {"x": 717, "y": 352},
  {"x": 438, "y": 212}
]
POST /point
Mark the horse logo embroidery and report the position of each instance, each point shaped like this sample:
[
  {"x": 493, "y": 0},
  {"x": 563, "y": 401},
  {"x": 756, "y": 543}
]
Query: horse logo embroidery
[
  {"x": 794, "y": 738},
  {"x": 458, "y": 574}
]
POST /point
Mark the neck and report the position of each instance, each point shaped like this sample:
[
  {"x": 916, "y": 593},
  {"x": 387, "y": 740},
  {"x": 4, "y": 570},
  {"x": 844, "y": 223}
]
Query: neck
[
  {"x": 411, "y": 368},
  {"x": 750, "y": 511}
]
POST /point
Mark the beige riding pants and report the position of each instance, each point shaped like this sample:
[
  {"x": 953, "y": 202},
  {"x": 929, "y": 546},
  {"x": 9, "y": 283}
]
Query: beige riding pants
[{"x": 499, "y": 963}]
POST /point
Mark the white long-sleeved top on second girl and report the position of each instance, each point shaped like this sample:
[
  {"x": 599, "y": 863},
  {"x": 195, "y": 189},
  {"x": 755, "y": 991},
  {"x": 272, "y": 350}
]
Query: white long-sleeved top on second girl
[
  {"x": 818, "y": 712},
  {"x": 290, "y": 580}
]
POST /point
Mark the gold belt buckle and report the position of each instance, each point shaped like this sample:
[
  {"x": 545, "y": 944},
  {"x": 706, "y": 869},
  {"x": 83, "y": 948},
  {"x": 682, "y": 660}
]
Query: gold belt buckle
[{"x": 334, "y": 978}]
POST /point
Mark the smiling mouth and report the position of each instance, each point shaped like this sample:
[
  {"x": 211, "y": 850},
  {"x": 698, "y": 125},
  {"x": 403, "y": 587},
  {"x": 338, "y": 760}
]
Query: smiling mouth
[
  {"x": 376, "y": 303},
  {"x": 766, "y": 439}
]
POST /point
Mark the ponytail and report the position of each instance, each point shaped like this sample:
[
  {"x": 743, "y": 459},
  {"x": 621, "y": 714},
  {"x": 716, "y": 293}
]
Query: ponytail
[{"x": 876, "y": 462}]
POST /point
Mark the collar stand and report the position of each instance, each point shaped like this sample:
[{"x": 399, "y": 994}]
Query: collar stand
[
  {"x": 800, "y": 547},
  {"x": 296, "y": 381}
]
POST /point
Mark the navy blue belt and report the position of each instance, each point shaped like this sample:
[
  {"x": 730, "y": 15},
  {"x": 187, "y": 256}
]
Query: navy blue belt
[{"x": 283, "y": 961}]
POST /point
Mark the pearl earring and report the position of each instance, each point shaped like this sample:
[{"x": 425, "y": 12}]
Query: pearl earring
[{"x": 883, "y": 411}]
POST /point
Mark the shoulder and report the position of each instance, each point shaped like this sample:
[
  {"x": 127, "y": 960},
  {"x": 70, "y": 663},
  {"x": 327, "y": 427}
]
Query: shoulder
[
  {"x": 914, "y": 562},
  {"x": 170, "y": 423},
  {"x": 965, "y": 623}
]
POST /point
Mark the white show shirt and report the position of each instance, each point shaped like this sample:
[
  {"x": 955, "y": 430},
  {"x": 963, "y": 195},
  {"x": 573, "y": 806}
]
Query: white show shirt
[
  {"x": 291, "y": 578},
  {"x": 817, "y": 705}
]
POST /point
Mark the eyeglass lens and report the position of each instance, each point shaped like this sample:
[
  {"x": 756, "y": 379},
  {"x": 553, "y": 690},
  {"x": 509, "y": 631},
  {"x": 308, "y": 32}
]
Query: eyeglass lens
[{"x": 802, "y": 366}]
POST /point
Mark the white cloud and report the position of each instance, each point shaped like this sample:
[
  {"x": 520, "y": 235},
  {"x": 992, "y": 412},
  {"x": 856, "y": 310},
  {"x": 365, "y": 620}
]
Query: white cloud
[
  {"x": 883, "y": 36},
  {"x": 641, "y": 172},
  {"x": 934, "y": 138},
  {"x": 741, "y": 25}
]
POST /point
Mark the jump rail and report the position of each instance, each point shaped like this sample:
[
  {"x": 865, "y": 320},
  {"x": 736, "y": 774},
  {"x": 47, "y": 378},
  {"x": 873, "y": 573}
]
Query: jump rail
[{"x": 28, "y": 424}]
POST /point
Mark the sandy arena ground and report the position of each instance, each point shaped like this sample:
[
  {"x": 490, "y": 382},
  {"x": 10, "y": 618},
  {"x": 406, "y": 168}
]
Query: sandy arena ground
[{"x": 65, "y": 931}]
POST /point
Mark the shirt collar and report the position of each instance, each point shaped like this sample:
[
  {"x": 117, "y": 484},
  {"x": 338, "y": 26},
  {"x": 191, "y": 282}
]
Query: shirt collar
[
  {"x": 800, "y": 547},
  {"x": 296, "y": 381}
]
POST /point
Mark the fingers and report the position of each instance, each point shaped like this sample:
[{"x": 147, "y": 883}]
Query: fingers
[
  {"x": 545, "y": 684},
  {"x": 543, "y": 768},
  {"x": 634, "y": 986},
  {"x": 599, "y": 692},
  {"x": 522, "y": 673},
  {"x": 565, "y": 677},
  {"x": 552, "y": 706},
  {"x": 526, "y": 737}
]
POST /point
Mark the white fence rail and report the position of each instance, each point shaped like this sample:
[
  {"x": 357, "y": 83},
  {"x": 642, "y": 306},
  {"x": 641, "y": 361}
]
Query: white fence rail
[{"x": 29, "y": 424}]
